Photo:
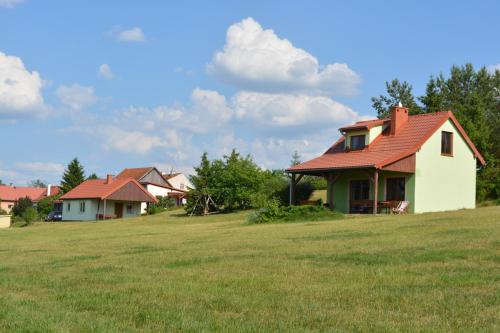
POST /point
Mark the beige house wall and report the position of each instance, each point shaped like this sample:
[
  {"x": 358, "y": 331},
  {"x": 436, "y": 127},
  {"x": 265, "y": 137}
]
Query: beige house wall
[
  {"x": 4, "y": 221},
  {"x": 5, "y": 205}
]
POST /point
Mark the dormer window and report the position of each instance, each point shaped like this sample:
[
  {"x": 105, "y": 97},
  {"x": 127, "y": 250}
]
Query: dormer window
[
  {"x": 447, "y": 143},
  {"x": 357, "y": 142}
]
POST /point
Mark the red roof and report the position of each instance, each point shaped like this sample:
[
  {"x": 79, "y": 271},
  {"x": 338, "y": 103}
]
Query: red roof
[
  {"x": 100, "y": 189},
  {"x": 14, "y": 193},
  {"x": 136, "y": 173},
  {"x": 386, "y": 148}
]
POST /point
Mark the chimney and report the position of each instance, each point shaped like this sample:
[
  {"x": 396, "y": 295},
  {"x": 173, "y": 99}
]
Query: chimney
[
  {"x": 48, "y": 190},
  {"x": 399, "y": 117},
  {"x": 109, "y": 179}
]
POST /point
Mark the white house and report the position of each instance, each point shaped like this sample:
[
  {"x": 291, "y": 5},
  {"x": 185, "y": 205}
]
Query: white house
[
  {"x": 179, "y": 180},
  {"x": 99, "y": 199}
]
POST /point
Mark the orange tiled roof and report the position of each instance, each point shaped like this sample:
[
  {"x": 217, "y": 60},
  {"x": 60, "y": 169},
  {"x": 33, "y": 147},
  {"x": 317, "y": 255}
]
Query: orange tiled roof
[
  {"x": 100, "y": 189},
  {"x": 14, "y": 193},
  {"x": 136, "y": 173},
  {"x": 386, "y": 148}
]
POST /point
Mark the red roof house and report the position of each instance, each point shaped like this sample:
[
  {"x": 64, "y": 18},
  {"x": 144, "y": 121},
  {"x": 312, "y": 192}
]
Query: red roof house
[
  {"x": 105, "y": 198},
  {"x": 9, "y": 195},
  {"x": 155, "y": 183},
  {"x": 427, "y": 160}
]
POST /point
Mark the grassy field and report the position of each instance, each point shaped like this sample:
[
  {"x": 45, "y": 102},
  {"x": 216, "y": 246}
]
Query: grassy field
[{"x": 431, "y": 272}]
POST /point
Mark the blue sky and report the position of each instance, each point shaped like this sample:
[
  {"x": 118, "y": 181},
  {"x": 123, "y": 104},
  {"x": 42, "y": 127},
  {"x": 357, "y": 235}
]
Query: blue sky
[{"x": 128, "y": 84}]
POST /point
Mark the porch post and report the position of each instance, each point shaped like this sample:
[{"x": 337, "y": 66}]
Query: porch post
[
  {"x": 104, "y": 211},
  {"x": 329, "y": 190},
  {"x": 375, "y": 191},
  {"x": 292, "y": 189}
]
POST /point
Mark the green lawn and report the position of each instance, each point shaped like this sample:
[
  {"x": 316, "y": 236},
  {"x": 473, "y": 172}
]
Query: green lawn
[{"x": 431, "y": 272}]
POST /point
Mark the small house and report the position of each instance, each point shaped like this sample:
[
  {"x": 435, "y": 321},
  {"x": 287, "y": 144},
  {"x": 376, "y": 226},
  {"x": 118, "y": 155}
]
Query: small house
[
  {"x": 99, "y": 199},
  {"x": 10, "y": 195},
  {"x": 426, "y": 160}
]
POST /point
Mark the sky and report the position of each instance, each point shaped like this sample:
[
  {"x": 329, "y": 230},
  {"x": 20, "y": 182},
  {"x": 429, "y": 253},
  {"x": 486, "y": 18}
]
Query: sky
[{"x": 122, "y": 84}]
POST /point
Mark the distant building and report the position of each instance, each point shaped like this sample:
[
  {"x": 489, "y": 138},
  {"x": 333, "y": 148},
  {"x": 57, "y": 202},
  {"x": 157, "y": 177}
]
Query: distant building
[
  {"x": 179, "y": 180},
  {"x": 98, "y": 199},
  {"x": 155, "y": 183},
  {"x": 10, "y": 195}
]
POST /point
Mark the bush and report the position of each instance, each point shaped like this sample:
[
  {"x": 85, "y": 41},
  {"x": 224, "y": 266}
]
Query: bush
[
  {"x": 46, "y": 205},
  {"x": 273, "y": 213},
  {"x": 163, "y": 204},
  {"x": 29, "y": 215},
  {"x": 21, "y": 205}
]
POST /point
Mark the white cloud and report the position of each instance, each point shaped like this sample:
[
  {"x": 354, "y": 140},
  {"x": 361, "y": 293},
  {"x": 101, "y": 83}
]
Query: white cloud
[
  {"x": 134, "y": 34},
  {"x": 293, "y": 112},
  {"x": 129, "y": 141},
  {"x": 258, "y": 60},
  {"x": 20, "y": 89},
  {"x": 41, "y": 167},
  {"x": 105, "y": 72},
  {"x": 493, "y": 68},
  {"x": 10, "y": 3},
  {"x": 76, "y": 97}
]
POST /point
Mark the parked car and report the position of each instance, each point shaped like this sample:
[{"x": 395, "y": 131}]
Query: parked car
[{"x": 54, "y": 216}]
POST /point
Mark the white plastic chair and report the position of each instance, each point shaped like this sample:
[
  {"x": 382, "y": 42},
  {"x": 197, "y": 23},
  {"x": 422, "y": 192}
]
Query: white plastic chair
[{"x": 401, "y": 208}]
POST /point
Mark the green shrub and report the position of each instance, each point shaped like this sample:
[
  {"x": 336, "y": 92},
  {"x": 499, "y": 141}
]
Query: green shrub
[
  {"x": 163, "y": 204},
  {"x": 30, "y": 215},
  {"x": 21, "y": 205},
  {"x": 274, "y": 213}
]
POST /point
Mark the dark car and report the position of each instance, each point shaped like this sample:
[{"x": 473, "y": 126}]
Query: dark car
[{"x": 54, "y": 216}]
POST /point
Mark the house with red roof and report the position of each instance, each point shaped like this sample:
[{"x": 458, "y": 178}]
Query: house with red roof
[
  {"x": 10, "y": 195},
  {"x": 97, "y": 199},
  {"x": 426, "y": 160},
  {"x": 155, "y": 183}
]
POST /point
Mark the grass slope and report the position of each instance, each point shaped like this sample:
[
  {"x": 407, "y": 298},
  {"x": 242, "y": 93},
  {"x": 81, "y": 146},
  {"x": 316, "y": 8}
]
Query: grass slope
[{"x": 431, "y": 272}]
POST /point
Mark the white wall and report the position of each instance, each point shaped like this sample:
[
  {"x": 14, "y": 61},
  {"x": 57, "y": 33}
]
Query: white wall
[
  {"x": 93, "y": 207},
  {"x": 181, "y": 182},
  {"x": 443, "y": 182},
  {"x": 74, "y": 214}
]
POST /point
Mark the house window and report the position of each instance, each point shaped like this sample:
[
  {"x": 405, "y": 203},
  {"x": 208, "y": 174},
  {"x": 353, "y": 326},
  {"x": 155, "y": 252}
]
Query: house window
[
  {"x": 10, "y": 206},
  {"x": 360, "y": 189},
  {"x": 357, "y": 142},
  {"x": 68, "y": 207},
  {"x": 130, "y": 209},
  {"x": 395, "y": 189},
  {"x": 446, "y": 143},
  {"x": 82, "y": 206}
]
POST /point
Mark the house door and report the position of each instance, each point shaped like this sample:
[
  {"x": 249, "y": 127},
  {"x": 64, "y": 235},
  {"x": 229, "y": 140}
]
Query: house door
[
  {"x": 359, "y": 196},
  {"x": 119, "y": 209}
]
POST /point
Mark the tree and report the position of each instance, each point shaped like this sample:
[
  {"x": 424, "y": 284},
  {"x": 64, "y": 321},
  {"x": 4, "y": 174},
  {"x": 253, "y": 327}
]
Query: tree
[
  {"x": 1, "y": 183},
  {"x": 397, "y": 92},
  {"x": 92, "y": 176},
  {"x": 37, "y": 183},
  {"x": 295, "y": 159},
  {"x": 73, "y": 176}
]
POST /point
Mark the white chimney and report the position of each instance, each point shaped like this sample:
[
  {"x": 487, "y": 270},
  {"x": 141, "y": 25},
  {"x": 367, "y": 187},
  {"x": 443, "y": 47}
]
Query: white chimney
[{"x": 48, "y": 190}]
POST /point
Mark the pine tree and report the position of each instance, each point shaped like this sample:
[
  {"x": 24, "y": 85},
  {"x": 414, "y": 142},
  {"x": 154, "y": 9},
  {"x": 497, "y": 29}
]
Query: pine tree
[
  {"x": 73, "y": 176},
  {"x": 92, "y": 176},
  {"x": 295, "y": 159}
]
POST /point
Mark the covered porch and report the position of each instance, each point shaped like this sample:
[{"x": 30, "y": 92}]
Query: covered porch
[{"x": 366, "y": 190}]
